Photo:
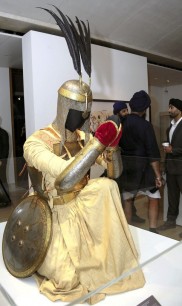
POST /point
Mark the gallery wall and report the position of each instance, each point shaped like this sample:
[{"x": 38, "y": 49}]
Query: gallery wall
[{"x": 47, "y": 65}]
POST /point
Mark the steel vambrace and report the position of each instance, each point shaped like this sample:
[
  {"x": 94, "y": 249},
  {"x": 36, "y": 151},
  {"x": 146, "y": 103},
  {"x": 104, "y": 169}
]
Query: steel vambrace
[
  {"x": 80, "y": 166},
  {"x": 114, "y": 162}
]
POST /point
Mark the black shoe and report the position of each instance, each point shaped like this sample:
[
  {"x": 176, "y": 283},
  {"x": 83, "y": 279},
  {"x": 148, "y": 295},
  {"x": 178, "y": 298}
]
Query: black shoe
[
  {"x": 153, "y": 230},
  {"x": 167, "y": 225},
  {"x": 137, "y": 219}
]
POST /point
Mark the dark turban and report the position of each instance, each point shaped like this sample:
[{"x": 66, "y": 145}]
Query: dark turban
[
  {"x": 140, "y": 101},
  {"x": 118, "y": 106},
  {"x": 176, "y": 103}
]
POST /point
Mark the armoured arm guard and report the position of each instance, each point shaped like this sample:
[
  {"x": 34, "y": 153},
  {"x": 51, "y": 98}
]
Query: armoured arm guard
[
  {"x": 114, "y": 162},
  {"x": 106, "y": 135},
  {"x": 79, "y": 167}
]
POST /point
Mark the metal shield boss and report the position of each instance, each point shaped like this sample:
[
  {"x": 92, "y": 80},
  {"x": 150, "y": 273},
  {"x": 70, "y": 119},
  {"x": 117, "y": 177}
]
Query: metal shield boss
[{"x": 27, "y": 236}]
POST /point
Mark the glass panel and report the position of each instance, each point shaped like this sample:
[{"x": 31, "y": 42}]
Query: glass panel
[{"x": 158, "y": 253}]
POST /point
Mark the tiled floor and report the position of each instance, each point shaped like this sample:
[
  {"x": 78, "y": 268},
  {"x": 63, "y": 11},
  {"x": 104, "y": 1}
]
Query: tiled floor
[{"x": 141, "y": 205}]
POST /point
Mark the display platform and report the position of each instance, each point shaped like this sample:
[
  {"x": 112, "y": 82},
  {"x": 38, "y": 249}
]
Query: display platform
[{"x": 163, "y": 276}]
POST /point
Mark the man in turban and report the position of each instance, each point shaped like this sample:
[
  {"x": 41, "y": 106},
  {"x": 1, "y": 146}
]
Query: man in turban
[
  {"x": 173, "y": 164},
  {"x": 140, "y": 155},
  {"x": 120, "y": 108}
]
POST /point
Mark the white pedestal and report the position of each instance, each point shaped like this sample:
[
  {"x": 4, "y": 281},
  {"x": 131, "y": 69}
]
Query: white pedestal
[{"x": 163, "y": 276}]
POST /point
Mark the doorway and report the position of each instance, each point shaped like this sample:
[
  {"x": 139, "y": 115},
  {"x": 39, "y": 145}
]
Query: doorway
[{"x": 18, "y": 126}]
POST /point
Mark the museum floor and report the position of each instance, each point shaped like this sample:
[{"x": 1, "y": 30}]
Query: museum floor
[{"x": 141, "y": 204}]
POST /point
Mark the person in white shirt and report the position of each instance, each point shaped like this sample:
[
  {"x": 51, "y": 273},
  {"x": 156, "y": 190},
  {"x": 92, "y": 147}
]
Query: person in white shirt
[{"x": 173, "y": 164}]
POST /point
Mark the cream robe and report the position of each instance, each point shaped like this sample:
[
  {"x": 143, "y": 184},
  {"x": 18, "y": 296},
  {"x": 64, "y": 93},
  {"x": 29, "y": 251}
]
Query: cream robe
[{"x": 91, "y": 242}]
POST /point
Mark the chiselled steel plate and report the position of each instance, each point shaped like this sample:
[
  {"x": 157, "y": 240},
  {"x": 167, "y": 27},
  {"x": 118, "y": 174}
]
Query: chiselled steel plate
[{"x": 27, "y": 236}]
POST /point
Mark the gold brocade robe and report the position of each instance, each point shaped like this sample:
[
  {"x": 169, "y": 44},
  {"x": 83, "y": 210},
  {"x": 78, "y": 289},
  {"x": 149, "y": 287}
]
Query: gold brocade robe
[{"x": 91, "y": 242}]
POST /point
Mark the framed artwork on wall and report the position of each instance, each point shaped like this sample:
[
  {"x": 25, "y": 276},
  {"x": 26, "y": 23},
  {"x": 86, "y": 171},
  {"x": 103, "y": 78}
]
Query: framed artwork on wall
[{"x": 101, "y": 110}]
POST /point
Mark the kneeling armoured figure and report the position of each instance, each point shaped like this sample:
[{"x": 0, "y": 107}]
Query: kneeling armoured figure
[{"x": 72, "y": 234}]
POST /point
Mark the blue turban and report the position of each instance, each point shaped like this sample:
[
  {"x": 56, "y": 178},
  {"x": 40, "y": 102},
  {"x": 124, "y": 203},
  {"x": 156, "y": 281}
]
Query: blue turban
[
  {"x": 118, "y": 106},
  {"x": 140, "y": 101}
]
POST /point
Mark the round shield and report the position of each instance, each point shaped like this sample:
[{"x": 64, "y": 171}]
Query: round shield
[{"x": 27, "y": 236}]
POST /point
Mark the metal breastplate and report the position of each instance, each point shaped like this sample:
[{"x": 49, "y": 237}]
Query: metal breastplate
[{"x": 36, "y": 181}]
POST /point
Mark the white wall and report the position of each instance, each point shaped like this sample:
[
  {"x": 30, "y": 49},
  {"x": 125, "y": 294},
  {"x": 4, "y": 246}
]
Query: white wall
[
  {"x": 116, "y": 74},
  {"x": 5, "y": 117},
  {"x": 47, "y": 65}
]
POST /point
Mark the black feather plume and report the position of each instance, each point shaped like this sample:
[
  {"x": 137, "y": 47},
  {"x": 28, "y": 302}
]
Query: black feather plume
[
  {"x": 78, "y": 41},
  {"x": 69, "y": 37},
  {"x": 85, "y": 45},
  {"x": 85, "y": 56}
]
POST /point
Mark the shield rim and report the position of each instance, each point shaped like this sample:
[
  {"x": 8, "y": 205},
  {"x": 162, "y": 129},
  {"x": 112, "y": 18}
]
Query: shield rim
[{"x": 31, "y": 270}]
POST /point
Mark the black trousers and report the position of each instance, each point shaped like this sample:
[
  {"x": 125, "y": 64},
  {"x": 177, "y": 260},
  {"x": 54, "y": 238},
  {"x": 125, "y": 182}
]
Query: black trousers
[{"x": 174, "y": 188}]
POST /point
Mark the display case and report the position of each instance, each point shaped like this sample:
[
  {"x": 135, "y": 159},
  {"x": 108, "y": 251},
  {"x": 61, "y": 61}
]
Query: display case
[{"x": 159, "y": 258}]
